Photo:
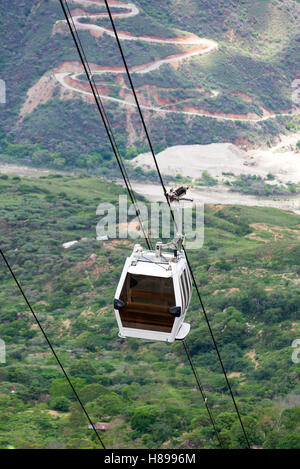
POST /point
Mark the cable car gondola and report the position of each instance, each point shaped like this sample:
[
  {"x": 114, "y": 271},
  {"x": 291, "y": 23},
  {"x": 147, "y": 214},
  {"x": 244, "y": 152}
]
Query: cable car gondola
[{"x": 154, "y": 293}]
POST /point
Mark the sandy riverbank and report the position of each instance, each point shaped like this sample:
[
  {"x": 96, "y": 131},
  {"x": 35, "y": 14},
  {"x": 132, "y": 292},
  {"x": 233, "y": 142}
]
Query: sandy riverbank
[
  {"x": 281, "y": 160},
  {"x": 219, "y": 159}
]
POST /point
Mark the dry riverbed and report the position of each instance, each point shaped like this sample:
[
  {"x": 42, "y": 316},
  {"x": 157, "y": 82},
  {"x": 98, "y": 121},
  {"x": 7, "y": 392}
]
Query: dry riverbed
[{"x": 221, "y": 160}]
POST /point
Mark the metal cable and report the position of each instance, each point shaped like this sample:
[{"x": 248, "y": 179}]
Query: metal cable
[
  {"x": 89, "y": 75},
  {"x": 200, "y": 387},
  {"x": 51, "y": 347},
  {"x": 167, "y": 198},
  {"x": 100, "y": 107},
  {"x": 135, "y": 95}
]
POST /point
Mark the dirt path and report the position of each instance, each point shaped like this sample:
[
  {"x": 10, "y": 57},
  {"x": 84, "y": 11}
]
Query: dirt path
[{"x": 70, "y": 78}]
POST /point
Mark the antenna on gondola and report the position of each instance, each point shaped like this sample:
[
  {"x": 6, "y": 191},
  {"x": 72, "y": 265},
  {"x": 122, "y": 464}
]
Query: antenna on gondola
[
  {"x": 155, "y": 288},
  {"x": 175, "y": 331},
  {"x": 175, "y": 196}
]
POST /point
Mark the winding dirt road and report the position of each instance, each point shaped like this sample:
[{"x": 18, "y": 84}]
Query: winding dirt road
[{"x": 71, "y": 79}]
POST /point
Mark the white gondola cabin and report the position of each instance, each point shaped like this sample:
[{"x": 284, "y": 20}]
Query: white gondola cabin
[{"x": 153, "y": 296}]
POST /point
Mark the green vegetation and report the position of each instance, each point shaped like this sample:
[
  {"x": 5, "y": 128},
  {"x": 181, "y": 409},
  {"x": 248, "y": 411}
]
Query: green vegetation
[
  {"x": 142, "y": 25},
  {"x": 206, "y": 180},
  {"x": 254, "y": 67},
  {"x": 258, "y": 26},
  {"x": 256, "y": 185},
  {"x": 248, "y": 269},
  {"x": 248, "y": 273}
]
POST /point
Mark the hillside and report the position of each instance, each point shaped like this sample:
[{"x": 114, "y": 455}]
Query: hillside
[
  {"x": 204, "y": 72},
  {"x": 249, "y": 274}
]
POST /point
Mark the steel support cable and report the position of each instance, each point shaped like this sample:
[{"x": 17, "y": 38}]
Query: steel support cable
[
  {"x": 218, "y": 353},
  {"x": 185, "y": 346},
  {"x": 51, "y": 347},
  {"x": 202, "y": 392},
  {"x": 167, "y": 199},
  {"x": 95, "y": 86},
  {"x": 102, "y": 113},
  {"x": 91, "y": 76},
  {"x": 134, "y": 93},
  {"x": 104, "y": 116}
]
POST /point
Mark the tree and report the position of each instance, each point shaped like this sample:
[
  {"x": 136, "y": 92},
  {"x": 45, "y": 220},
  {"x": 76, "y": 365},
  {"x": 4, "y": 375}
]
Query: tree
[
  {"x": 290, "y": 440},
  {"x": 91, "y": 392},
  {"x": 143, "y": 418},
  {"x": 225, "y": 420},
  {"x": 82, "y": 368},
  {"x": 60, "y": 403},
  {"x": 254, "y": 433},
  {"x": 60, "y": 387},
  {"x": 290, "y": 418},
  {"x": 107, "y": 404},
  {"x": 41, "y": 157},
  {"x": 77, "y": 417}
]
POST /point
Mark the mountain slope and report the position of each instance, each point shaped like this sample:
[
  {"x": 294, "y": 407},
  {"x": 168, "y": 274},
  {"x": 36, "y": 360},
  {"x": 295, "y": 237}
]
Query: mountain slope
[
  {"x": 246, "y": 78},
  {"x": 248, "y": 275}
]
